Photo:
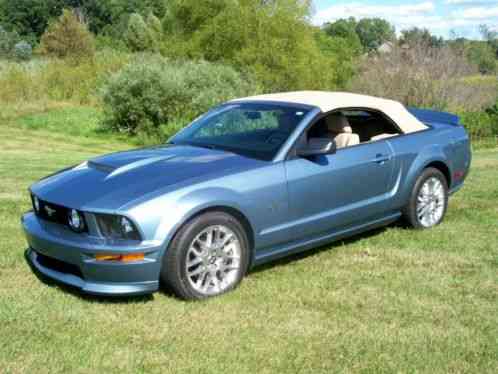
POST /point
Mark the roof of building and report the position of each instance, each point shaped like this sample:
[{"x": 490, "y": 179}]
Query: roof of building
[{"x": 330, "y": 101}]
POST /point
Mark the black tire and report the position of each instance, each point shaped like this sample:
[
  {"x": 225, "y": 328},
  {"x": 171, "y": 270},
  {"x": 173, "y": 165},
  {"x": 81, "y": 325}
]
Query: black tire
[
  {"x": 410, "y": 211},
  {"x": 173, "y": 270}
]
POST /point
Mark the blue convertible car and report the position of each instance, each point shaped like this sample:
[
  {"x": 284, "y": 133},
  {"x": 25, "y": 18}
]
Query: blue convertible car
[{"x": 252, "y": 180}]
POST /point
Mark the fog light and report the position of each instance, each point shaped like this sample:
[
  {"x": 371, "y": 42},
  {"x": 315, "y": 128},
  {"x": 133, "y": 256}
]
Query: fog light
[
  {"x": 76, "y": 220},
  {"x": 121, "y": 258}
]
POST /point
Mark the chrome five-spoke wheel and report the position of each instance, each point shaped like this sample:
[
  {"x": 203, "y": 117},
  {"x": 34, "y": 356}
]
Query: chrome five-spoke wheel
[
  {"x": 213, "y": 260},
  {"x": 430, "y": 202},
  {"x": 429, "y": 199},
  {"x": 208, "y": 256}
]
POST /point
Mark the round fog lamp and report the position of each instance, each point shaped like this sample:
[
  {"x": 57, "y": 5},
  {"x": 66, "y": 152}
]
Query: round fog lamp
[{"x": 75, "y": 220}]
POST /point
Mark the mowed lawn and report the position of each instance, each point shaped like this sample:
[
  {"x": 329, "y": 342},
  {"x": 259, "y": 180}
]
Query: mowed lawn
[{"x": 394, "y": 300}]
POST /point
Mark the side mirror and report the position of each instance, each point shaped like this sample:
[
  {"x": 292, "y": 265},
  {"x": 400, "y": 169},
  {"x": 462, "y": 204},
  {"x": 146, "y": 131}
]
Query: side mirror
[{"x": 317, "y": 147}]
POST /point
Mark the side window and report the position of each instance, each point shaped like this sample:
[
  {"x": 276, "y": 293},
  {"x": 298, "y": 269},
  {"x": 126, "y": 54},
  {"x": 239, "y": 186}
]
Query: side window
[
  {"x": 370, "y": 125},
  {"x": 352, "y": 127}
]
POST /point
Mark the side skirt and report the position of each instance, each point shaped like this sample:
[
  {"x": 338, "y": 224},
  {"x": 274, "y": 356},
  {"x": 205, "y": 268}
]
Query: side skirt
[{"x": 300, "y": 246}]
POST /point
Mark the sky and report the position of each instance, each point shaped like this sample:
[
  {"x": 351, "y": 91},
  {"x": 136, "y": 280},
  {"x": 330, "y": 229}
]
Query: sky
[{"x": 463, "y": 17}]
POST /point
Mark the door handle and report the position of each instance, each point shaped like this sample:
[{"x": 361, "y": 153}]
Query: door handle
[{"x": 381, "y": 159}]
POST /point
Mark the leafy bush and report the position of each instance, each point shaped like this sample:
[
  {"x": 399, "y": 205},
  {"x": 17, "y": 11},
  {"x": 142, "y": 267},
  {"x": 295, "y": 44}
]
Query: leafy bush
[
  {"x": 480, "y": 125},
  {"x": 22, "y": 51},
  {"x": 7, "y": 42},
  {"x": 30, "y": 17},
  {"x": 423, "y": 76},
  {"x": 271, "y": 40},
  {"x": 483, "y": 55},
  {"x": 152, "y": 91},
  {"x": 139, "y": 36},
  {"x": 68, "y": 37},
  {"x": 60, "y": 80}
]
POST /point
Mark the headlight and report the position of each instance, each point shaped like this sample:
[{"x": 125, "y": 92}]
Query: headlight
[
  {"x": 117, "y": 227},
  {"x": 36, "y": 204},
  {"x": 76, "y": 220}
]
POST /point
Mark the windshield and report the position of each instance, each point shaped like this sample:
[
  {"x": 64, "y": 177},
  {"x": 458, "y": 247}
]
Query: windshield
[{"x": 251, "y": 129}]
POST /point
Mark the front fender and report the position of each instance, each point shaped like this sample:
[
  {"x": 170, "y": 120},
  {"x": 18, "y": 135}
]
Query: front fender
[
  {"x": 192, "y": 203},
  {"x": 177, "y": 208}
]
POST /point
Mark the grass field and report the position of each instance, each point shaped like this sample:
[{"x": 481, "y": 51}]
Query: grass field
[{"x": 394, "y": 300}]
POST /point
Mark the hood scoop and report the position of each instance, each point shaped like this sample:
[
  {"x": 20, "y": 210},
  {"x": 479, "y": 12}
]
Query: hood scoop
[
  {"x": 100, "y": 167},
  {"x": 137, "y": 164}
]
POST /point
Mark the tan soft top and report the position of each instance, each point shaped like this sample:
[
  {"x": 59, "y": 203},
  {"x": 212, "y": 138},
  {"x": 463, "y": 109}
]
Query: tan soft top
[{"x": 328, "y": 101}]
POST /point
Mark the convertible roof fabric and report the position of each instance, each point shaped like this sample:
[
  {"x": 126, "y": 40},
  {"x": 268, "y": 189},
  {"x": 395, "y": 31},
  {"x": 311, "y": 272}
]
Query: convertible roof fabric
[{"x": 328, "y": 101}]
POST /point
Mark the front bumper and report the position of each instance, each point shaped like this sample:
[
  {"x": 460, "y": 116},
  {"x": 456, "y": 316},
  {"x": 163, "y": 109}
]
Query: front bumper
[{"x": 60, "y": 254}]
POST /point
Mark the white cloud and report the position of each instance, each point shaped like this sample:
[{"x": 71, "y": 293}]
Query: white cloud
[
  {"x": 477, "y": 13},
  {"x": 362, "y": 10},
  {"x": 470, "y": 2},
  {"x": 422, "y": 14}
]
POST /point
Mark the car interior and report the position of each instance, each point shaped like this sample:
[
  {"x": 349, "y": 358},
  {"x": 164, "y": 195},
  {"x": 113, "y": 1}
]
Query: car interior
[{"x": 352, "y": 127}]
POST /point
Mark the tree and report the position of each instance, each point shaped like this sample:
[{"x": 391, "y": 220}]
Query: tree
[
  {"x": 421, "y": 77},
  {"x": 7, "y": 41},
  {"x": 420, "y": 36},
  {"x": 342, "y": 52},
  {"x": 140, "y": 36},
  {"x": 31, "y": 17},
  {"x": 155, "y": 28},
  {"x": 345, "y": 29},
  {"x": 272, "y": 40},
  {"x": 373, "y": 32},
  {"x": 483, "y": 55},
  {"x": 68, "y": 37},
  {"x": 490, "y": 36}
]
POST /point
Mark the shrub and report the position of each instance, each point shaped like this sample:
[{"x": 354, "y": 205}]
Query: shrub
[
  {"x": 271, "y": 40},
  {"x": 423, "y": 76},
  {"x": 152, "y": 91},
  {"x": 68, "y": 37},
  {"x": 139, "y": 36},
  {"x": 7, "y": 42},
  {"x": 483, "y": 55},
  {"x": 480, "y": 125},
  {"x": 22, "y": 51},
  {"x": 53, "y": 79}
]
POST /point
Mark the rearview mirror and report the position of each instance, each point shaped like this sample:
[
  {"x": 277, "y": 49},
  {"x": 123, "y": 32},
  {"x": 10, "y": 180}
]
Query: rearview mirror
[{"x": 316, "y": 147}]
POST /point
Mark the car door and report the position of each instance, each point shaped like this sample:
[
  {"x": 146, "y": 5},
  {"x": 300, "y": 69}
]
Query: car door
[{"x": 327, "y": 193}]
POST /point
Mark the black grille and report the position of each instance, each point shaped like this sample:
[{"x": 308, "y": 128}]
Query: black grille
[
  {"x": 54, "y": 213},
  {"x": 57, "y": 265}
]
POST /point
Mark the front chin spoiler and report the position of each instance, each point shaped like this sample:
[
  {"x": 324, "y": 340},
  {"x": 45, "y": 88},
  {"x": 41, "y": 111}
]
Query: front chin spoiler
[{"x": 104, "y": 289}]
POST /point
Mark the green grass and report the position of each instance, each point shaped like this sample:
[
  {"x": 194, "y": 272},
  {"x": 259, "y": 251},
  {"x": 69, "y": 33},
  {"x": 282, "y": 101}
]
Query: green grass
[
  {"x": 394, "y": 300},
  {"x": 76, "y": 121}
]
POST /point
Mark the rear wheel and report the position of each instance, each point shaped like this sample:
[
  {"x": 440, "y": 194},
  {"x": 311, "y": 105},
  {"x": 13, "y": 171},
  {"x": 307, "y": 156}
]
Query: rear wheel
[
  {"x": 208, "y": 257},
  {"x": 428, "y": 200}
]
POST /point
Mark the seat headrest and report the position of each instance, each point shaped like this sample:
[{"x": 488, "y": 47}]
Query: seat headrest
[{"x": 338, "y": 123}]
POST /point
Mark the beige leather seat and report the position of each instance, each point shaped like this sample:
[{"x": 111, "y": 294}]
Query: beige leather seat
[{"x": 340, "y": 130}]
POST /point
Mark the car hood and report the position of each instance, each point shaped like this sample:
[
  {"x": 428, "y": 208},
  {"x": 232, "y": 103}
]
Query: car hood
[{"x": 109, "y": 182}]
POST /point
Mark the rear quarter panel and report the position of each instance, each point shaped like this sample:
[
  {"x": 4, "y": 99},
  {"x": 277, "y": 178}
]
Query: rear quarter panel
[{"x": 444, "y": 143}]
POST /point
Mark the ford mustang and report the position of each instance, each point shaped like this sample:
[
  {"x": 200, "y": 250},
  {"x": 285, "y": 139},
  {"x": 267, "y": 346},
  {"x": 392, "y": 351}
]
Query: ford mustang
[{"x": 252, "y": 180}]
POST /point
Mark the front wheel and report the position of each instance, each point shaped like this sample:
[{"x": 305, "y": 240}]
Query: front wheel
[
  {"x": 428, "y": 200},
  {"x": 208, "y": 257}
]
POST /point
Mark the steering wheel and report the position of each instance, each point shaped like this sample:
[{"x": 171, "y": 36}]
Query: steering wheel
[{"x": 276, "y": 137}]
